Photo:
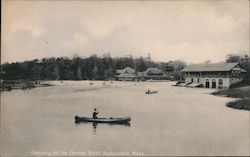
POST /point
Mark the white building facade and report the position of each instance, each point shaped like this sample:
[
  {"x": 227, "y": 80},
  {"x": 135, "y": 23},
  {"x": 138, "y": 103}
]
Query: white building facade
[{"x": 221, "y": 75}]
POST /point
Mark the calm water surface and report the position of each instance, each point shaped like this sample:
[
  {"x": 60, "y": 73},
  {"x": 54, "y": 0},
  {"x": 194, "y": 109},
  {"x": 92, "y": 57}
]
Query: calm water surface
[{"x": 176, "y": 121}]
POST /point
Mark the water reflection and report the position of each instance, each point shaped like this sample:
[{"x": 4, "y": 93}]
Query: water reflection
[
  {"x": 95, "y": 125},
  {"x": 94, "y": 128},
  {"x": 110, "y": 124}
]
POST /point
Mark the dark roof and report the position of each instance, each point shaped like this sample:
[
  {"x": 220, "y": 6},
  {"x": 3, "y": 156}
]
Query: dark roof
[{"x": 209, "y": 67}]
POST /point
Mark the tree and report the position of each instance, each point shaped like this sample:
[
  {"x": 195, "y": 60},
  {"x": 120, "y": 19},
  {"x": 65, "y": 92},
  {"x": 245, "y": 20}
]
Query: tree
[
  {"x": 140, "y": 64},
  {"x": 233, "y": 58}
]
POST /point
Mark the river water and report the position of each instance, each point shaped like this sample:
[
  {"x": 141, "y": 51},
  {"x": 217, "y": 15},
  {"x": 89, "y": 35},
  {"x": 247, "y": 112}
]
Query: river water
[{"x": 175, "y": 121}]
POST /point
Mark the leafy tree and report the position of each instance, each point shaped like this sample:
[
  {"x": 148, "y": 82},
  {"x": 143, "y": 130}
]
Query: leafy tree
[{"x": 233, "y": 58}]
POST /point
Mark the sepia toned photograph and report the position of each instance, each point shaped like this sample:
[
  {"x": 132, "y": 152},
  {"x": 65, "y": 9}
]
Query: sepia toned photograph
[{"x": 125, "y": 78}]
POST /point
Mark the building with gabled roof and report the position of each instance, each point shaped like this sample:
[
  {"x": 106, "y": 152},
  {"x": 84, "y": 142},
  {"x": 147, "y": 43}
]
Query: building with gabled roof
[
  {"x": 126, "y": 74},
  {"x": 126, "y": 70},
  {"x": 219, "y": 75},
  {"x": 154, "y": 73},
  {"x": 129, "y": 74}
]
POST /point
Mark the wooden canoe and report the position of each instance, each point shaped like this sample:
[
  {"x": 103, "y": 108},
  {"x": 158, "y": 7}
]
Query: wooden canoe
[{"x": 103, "y": 120}]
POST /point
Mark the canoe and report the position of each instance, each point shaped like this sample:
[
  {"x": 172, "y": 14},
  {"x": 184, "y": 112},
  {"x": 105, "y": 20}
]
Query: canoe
[
  {"x": 151, "y": 92},
  {"x": 103, "y": 120}
]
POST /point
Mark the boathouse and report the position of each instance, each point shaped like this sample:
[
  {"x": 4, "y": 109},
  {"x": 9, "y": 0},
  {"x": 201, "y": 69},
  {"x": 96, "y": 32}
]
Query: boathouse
[
  {"x": 220, "y": 75},
  {"x": 126, "y": 74}
]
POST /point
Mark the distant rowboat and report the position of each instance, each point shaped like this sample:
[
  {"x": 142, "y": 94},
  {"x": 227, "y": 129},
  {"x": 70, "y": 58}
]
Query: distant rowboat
[{"x": 151, "y": 92}]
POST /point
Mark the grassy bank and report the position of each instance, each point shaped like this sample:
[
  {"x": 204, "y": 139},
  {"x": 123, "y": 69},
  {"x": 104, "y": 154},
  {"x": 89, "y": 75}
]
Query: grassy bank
[
  {"x": 243, "y": 93},
  {"x": 7, "y": 85}
]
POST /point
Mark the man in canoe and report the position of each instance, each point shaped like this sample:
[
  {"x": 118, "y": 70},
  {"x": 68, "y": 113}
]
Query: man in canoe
[{"x": 95, "y": 114}]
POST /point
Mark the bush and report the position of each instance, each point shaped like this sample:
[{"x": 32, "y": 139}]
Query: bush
[{"x": 240, "y": 104}]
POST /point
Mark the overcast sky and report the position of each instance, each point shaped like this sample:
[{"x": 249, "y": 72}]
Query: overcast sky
[{"x": 193, "y": 31}]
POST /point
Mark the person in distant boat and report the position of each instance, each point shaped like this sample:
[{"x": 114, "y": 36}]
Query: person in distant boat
[{"x": 95, "y": 114}]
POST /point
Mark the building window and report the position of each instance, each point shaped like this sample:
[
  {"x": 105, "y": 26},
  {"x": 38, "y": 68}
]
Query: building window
[
  {"x": 198, "y": 80},
  {"x": 192, "y": 80},
  {"x": 213, "y": 83},
  {"x": 220, "y": 83}
]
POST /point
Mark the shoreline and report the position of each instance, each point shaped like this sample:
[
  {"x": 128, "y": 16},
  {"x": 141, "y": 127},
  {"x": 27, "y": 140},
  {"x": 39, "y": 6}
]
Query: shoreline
[
  {"x": 242, "y": 93},
  {"x": 8, "y": 85}
]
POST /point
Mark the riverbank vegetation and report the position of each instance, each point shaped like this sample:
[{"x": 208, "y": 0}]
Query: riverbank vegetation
[
  {"x": 242, "y": 93},
  {"x": 91, "y": 68},
  {"x": 241, "y": 90},
  {"x": 7, "y": 85}
]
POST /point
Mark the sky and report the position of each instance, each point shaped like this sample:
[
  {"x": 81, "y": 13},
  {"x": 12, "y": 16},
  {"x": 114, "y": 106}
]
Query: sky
[{"x": 192, "y": 31}]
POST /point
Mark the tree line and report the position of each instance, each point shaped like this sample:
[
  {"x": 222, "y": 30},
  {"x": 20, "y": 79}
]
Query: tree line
[
  {"x": 91, "y": 68},
  {"x": 97, "y": 67}
]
